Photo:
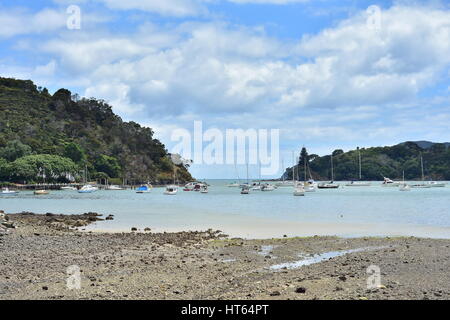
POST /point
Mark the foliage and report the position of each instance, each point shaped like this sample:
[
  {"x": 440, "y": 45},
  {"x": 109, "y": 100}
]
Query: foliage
[
  {"x": 380, "y": 162},
  {"x": 83, "y": 130},
  {"x": 43, "y": 167},
  {"x": 14, "y": 149}
]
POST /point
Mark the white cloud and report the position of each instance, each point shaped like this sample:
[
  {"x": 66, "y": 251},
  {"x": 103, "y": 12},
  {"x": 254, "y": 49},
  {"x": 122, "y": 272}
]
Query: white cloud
[{"x": 179, "y": 8}]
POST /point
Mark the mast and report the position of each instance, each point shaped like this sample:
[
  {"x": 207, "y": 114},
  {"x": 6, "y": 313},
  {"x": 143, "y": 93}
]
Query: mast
[
  {"x": 247, "y": 172},
  {"x": 359, "y": 157},
  {"x": 332, "y": 170},
  {"x": 293, "y": 168},
  {"x": 421, "y": 165},
  {"x": 304, "y": 165}
]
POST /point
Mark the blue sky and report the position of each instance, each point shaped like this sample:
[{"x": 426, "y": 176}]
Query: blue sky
[{"x": 314, "y": 69}]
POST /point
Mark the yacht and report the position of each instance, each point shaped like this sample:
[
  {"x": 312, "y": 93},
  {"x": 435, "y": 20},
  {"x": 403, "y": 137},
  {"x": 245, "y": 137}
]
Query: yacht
[
  {"x": 68, "y": 188},
  {"x": 145, "y": 188},
  {"x": 114, "y": 187},
  {"x": 359, "y": 183},
  {"x": 245, "y": 189},
  {"x": 331, "y": 184},
  {"x": 40, "y": 192},
  {"x": 171, "y": 190},
  {"x": 299, "y": 190},
  {"x": 6, "y": 191},
  {"x": 88, "y": 188},
  {"x": 267, "y": 187},
  {"x": 390, "y": 183}
]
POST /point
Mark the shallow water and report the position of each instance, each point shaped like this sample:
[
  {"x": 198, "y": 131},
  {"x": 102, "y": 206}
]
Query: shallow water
[
  {"x": 348, "y": 211},
  {"x": 317, "y": 258}
]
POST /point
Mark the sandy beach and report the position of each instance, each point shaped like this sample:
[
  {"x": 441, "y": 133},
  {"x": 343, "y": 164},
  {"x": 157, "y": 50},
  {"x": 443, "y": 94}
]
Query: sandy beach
[{"x": 36, "y": 251}]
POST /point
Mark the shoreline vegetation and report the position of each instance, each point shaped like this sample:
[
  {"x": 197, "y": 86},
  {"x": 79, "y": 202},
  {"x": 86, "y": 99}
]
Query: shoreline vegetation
[
  {"x": 63, "y": 138},
  {"x": 37, "y": 249}
]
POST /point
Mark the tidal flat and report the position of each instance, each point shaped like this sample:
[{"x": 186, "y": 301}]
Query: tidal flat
[{"x": 37, "y": 250}]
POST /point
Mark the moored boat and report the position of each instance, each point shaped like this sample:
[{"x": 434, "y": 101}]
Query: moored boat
[
  {"x": 145, "y": 188},
  {"x": 171, "y": 190},
  {"x": 88, "y": 188},
  {"x": 6, "y": 191}
]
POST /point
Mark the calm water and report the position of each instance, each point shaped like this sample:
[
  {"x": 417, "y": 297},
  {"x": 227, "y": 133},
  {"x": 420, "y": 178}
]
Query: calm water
[{"x": 350, "y": 211}]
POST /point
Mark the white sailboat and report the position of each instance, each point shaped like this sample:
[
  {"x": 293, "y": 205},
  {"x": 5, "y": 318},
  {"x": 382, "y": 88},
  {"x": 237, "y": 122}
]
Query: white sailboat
[
  {"x": 298, "y": 188},
  {"x": 245, "y": 188},
  {"x": 308, "y": 185},
  {"x": 422, "y": 184},
  {"x": 331, "y": 184},
  {"x": 172, "y": 190},
  {"x": 359, "y": 183},
  {"x": 404, "y": 186},
  {"x": 87, "y": 188}
]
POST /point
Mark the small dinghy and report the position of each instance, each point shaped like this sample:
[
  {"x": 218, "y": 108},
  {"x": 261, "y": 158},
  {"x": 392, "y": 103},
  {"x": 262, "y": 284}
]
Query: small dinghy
[
  {"x": 7, "y": 192},
  {"x": 171, "y": 190}
]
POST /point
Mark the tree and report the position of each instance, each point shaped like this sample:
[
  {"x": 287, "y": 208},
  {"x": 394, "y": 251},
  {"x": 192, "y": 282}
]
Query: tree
[
  {"x": 4, "y": 169},
  {"x": 40, "y": 166},
  {"x": 75, "y": 152},
  {"x": 14, "y": 150},
  {"x": 108, "y": 165}
]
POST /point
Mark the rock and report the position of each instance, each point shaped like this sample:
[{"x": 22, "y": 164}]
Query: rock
[
  {"x": 147, "y": 229},
  {"x": 300, "y": 290},
  {"x": 343, "y": 278},
  {"x": 134, "y": 229},
  {"x": 110, "y": 217},
  {"x": 275, "y": 293},
  {"x": 45, "y": 288}
]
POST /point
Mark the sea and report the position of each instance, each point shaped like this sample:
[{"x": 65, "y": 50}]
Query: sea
[{"x": 346, "y": 212}]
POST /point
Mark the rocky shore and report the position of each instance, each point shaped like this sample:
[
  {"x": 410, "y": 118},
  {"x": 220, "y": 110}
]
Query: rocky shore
[{"x": 38, "y": 254}]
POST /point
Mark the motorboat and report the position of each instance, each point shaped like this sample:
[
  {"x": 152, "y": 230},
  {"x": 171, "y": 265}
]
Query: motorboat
[
  {"x": 309, "y": 186},
  {"x": 204, "y": 189},
  {"x": 145, "y": 188},
  {"x": 41, "y": 192},
  {"x": 299, "y": 190},
  {"x": 171, "y": 190},
  {"x": 68, "y": 188},
  {"x": 233, "y": 185},
  {"x": 435, "y": 184},
  {"x": 267, "y": 187},
  {"x": 328, "y": 185},
  {"x": 390, "y": 183},
  {"x": 6, "y": 192},
  {"x": 245, "y": 189},
  {"x": 114, "y": 188},
  {"x": 88, "y": 188},
  {"x": 358, "y": 184}
]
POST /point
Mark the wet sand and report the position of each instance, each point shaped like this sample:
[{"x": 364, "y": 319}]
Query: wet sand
[{"x": 35, "y": 255}]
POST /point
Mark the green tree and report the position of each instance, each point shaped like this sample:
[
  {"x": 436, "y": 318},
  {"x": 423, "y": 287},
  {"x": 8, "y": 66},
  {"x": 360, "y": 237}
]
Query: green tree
[
  {"x": 75, "y": 152},
  {"x": 108, "y": 165},
  {"x": 40, "y": 166},
  {"x": 14, "y": 150}
]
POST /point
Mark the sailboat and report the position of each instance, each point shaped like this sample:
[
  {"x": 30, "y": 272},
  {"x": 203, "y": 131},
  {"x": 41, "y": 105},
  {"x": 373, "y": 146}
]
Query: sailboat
[
  {"x": 358, "y": 183},
  {"x": 423, "y": 184},
  {"x": 245, "y": 188},
  {"x": 87, "y": 188},
  {"x": 308, "y": 185},
  {"x": 331, "y": 184},
  {"x": 403, "y": 186},
  {"x": 298, "y": 188},
  {"x": 41, "y": 192},
  {"x": 235, "y": 184},
  {"x": 172, "y": 190}
]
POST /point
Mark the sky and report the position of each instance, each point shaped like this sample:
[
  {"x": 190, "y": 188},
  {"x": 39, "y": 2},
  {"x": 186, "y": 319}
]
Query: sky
[{"x": 327, "y": 74}]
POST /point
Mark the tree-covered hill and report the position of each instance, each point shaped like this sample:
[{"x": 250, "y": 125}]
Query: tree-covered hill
[
  {"x": 59, "y": 135},
  {"x": 380, "y": 161}
]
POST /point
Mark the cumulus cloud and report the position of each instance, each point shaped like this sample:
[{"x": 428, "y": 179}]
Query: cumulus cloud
[{"x": 234, "y": 76}]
